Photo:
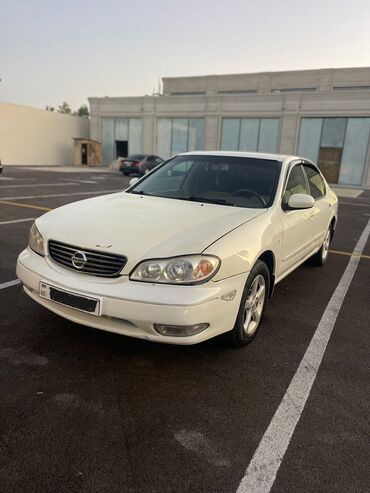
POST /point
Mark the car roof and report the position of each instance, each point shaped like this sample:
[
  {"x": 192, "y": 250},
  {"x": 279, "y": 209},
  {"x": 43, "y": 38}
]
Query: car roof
[{"x": 255, "y": 155}]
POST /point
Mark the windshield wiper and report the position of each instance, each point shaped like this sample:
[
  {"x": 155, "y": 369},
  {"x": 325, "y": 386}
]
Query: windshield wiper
[
  {"x": 210, "y": 201},
  {"x": 140, "y": 192}
]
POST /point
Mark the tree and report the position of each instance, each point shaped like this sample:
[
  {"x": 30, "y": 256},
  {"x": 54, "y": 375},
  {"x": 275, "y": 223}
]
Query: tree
[
  {"x": 82, "y": 111},
  {"x": 65, "y": 108}
]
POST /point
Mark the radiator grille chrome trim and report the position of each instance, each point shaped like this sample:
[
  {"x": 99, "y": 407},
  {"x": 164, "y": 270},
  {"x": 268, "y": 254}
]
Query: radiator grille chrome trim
[{"x": 102, "y": 264}]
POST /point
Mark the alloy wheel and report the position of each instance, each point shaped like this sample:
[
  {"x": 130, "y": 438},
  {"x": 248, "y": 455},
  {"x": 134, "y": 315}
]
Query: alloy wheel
[{"x": 254, "y": 305}]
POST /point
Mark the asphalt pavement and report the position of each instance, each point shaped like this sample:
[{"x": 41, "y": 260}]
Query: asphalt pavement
[{"x": 82, "y": 410}]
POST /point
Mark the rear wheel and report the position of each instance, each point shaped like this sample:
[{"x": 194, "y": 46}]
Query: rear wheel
[
  {"x": 125, "y": 173},
  {"x": 321, "y": 256},
  {"x": 252, "y": 305}
]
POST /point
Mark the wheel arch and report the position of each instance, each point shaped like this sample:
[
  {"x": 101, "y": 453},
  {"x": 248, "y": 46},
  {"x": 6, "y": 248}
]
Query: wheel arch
[{"x": 268, "y": 258}]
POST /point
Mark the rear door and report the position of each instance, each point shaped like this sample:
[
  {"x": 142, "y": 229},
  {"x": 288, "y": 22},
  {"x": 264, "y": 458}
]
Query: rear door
[{"x": 321, "y": 212}]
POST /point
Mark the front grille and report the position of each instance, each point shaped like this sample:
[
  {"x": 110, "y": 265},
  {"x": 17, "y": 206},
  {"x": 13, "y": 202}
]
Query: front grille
[{"x": 101, "y": 264}]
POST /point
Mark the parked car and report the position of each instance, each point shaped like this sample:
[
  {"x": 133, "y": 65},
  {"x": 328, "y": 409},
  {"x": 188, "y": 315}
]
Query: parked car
[
  {"x": 188, "y": 252},
  {"x": 1, "y": 167},
  {"x": 139, "y": 164}
]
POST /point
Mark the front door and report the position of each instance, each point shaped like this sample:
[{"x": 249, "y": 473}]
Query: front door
[{"x": 298, "y": 235}]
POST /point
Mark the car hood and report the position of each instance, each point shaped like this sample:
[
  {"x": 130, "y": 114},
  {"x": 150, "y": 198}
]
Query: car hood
[{"x": 142, "y": 227}]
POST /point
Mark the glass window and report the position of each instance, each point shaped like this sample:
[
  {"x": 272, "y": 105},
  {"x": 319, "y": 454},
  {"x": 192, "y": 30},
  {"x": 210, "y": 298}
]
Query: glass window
[
  {"x": 250, "y": 134},
  {"x": 333, "y": 132},
  {"x": 120, "y": 129},
  {"x": 196, "y": 134},
  {"x": 296, "y": 183},
  {"x": 164, "y": 137},
  {"x": 177, "y": 135},
  {"x": 224, "y": 180},
  {"x": 355, "y": 151},
  {"x": 134, "y": 135},
  {"x": 108, "y": 141},
  {"x": 309, "y": 138},
  {"x": 268, "y": 137},
  {"x": 249, "y": 129},
  {"x": 315, "y": 181},
  {"x": 230, "y": 134},
  {"x": 340, "y": 146}
]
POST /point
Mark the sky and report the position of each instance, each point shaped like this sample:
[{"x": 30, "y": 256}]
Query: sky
[{"x": 67, "y": 50}]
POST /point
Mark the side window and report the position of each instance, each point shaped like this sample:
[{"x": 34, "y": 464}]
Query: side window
[
  {"x": 317, "y": 184},
  {"x": 296, "y": 183},
  {"x": 158, "y": 160}
]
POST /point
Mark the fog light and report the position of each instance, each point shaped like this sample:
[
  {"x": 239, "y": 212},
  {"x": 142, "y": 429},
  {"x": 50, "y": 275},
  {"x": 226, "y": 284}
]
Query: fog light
[{"x": 179, "y": 330}]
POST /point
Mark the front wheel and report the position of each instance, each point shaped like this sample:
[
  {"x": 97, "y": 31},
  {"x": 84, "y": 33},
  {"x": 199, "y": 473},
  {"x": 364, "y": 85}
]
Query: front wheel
[
  {"x": 321, "y": 256},
  {"x": 252, "y": 306}
]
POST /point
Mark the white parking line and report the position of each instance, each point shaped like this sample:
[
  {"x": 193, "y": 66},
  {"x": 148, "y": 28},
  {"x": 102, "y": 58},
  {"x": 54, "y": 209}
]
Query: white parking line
[
  {"x": 354, "y": 203},
  {"x": 17, "y": 221},
  {"x": 40, "y": 185},
  {"x": 60, "y": 195},
  {"x": 82, "y": 181},
  {"x": 262, "y": 469},
  {"x": 9, "y": 284}
]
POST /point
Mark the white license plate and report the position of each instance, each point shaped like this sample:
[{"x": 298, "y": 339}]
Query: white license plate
[{"x": 69, "y": 298}]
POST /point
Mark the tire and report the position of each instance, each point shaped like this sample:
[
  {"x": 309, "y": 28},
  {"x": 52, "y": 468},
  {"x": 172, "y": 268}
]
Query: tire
[
  {"x": 125, "y": 173},
  {"x": 248, "y": 321},
  {"x": 321, "y": 256}
]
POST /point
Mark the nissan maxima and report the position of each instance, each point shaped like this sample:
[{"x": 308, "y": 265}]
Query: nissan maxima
[{"x": 191, "y": 250}]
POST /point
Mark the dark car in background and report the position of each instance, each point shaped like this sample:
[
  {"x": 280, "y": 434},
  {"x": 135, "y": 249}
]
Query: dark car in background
[{"x": 139, "y": 164}]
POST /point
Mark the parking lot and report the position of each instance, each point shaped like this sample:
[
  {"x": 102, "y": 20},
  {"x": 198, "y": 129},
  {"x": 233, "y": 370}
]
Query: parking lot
[{"x": 83, "y": 410}]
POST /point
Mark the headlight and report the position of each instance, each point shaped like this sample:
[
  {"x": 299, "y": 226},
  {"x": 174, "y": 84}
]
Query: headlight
[
  {"x": 190, "y": 269},
  {"x": 35, "y": 240}
]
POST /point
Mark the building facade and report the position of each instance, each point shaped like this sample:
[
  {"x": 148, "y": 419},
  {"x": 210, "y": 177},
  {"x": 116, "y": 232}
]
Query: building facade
[{"x": 323, "y": 115}]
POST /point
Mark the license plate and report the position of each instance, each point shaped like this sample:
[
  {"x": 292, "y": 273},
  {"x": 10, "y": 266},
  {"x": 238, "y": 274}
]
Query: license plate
[{"x": 69, "y": 298}]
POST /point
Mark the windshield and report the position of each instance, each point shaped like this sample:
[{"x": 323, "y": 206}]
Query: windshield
[{"x": 224, "y": 180}]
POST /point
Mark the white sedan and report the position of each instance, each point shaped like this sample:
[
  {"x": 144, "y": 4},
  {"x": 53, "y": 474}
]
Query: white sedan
[{"x": 190, "y": 251}]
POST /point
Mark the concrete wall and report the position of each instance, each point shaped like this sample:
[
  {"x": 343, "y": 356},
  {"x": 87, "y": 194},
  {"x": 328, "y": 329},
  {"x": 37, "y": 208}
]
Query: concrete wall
[
  {"x": 37, "y": 137},
  {"x": 265, "y": 82}
]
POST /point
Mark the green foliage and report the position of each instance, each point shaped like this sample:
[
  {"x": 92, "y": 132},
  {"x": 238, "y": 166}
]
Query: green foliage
[
  {"x": 83, "y": 110},
  {"x": 64, "y": 108}
]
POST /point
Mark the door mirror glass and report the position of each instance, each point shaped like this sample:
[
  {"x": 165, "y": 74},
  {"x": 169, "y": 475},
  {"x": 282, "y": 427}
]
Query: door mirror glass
[
  {"x": 300, "y": 201},
  {"x": 133, "y": 181}
]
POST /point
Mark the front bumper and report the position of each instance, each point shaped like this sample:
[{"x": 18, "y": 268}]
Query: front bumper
[{"x": 131, "y": 308}]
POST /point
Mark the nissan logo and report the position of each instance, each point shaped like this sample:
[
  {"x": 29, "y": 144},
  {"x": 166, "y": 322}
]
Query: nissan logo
[{"x": 79, "y": 260}]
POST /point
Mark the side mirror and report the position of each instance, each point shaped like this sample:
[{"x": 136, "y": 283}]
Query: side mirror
[
  {"x": 301, "y": 201},
  {"x": 133, "y": 181}
]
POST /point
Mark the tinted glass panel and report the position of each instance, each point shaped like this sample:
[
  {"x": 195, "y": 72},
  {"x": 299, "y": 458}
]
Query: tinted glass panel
[
  {"x": 296, "y": 183},
  {"x": 333, "y": 132},
  {"x": 309, "y": 138},
  {"x": 317, "y": 184},
  {"x": 355, "y": 150},
  {"x": 224, "y": 180},
  {"x": 250, "y": 134}
]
